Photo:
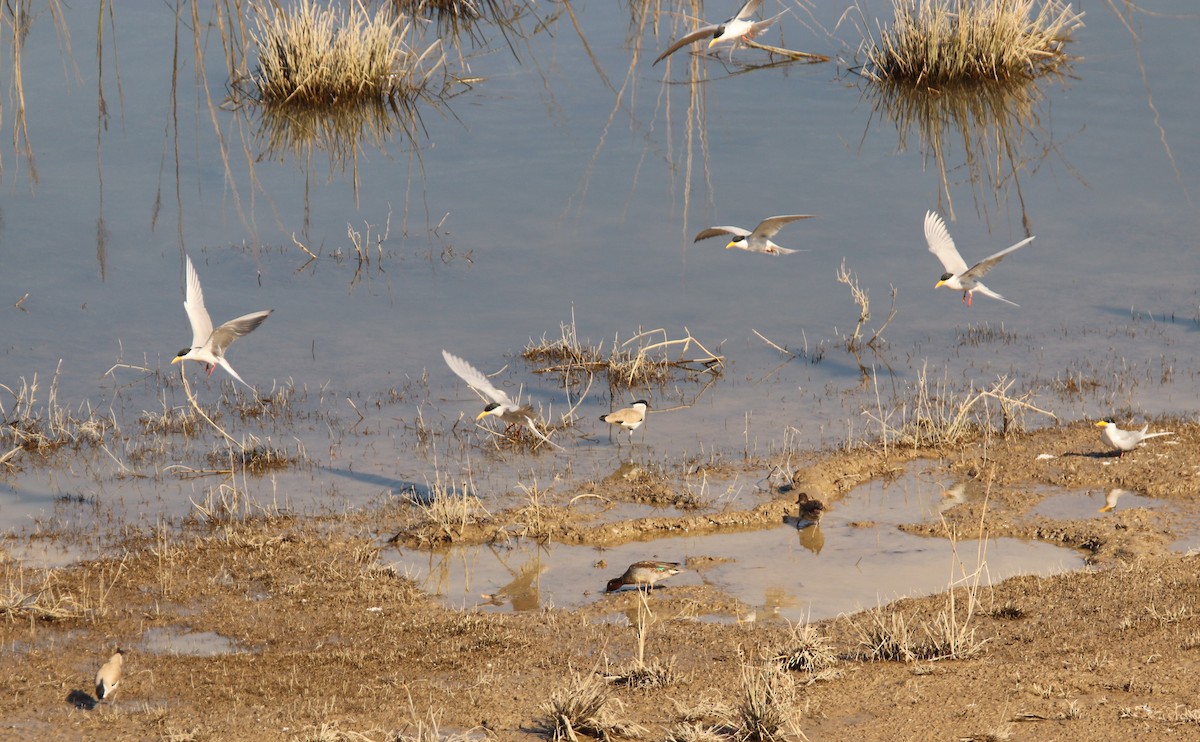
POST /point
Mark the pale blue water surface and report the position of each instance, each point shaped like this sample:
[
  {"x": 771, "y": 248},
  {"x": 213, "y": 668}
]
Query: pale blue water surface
[{"x": 565, "y": 183}]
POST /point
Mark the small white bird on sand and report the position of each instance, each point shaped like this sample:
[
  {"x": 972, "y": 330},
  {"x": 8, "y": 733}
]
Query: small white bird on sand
[
  {"x": 737, "y": 29},
  {"x": 958, "y": 276},
  {"x": 208, "y": 345},
  {"x": 760, "y": 239},
  {"x": 499, "y": 405},
  {"x": 628, "y": 418},
  {"x": 109, "y": 676},
  {"x": 1125, "y": 440}
]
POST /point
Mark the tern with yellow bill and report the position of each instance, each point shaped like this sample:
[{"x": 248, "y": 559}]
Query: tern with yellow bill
[
  {"x": 760, "y": 239},
  {"x": 1125, "y": 440},
  {"x": 958, "y": 276},
  {"x": 741, "y": 27},
  {"x": 500, "y": 405},
  {"x": 209, "y": 345}
]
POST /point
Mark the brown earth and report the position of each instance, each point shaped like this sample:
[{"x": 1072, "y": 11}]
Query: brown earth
[{"x": 330, "y": 645}]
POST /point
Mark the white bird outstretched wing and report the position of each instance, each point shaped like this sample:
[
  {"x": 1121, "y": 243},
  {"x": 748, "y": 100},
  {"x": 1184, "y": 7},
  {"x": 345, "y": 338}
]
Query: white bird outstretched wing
[
  {"x": 222, "y": 337},
  {"x": 716, "y": 231},
  {"x": 770, "y": 226},
  {"x": 749, "y": 9},
  {"x": 983, "y": 266},
  {"x": 940, "y": 244},
  {"x": 476, "y": 380},
  {"x": 686, "y": 39},
  {"x": 193, "y": 304}
]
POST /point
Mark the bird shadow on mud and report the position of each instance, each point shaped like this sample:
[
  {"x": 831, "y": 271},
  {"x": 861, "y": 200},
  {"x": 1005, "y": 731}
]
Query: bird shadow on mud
[{"x": 82, "y": 700}]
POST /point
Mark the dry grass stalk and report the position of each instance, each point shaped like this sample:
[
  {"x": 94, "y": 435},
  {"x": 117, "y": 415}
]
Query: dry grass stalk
[
  {"x": 317, "y": 55},
  {"x": 863, "y": 300},
  {"x": 939, "y": 416},
  {"x": 932, "y": 42}
]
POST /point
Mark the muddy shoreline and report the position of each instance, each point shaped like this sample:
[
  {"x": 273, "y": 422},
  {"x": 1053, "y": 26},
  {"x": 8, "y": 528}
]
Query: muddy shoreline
[{"x": 300, "y": 631}]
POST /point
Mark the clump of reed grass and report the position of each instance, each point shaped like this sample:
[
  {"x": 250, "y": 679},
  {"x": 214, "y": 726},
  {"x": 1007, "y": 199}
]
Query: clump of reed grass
[
  {"x": 765, "y": 711},
  {"x": 320, "y": 55},
  {"x": 586, "y": 705},
  {"x": 48, "y": 602},
  {"x": 255, "y": 458},
  {"x": 26, "y": 425},
  {"x": 932, "y": 42},
  {"x": 447, "y": 510},
  {"x": 644, "y": 359},
  {"x": 805, "y": 650}
]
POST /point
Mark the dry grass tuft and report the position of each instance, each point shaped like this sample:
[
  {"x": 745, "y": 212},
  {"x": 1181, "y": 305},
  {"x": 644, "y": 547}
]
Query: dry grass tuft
[
  {"x": 949, "y": 635},
  {"x": 695, "y": 731},
  {"x": 766, "y": 709},
  {"x": 255, "y": 458},
  {"x": 932, "y": 42},
  {"x": 586, "y": 705},
  {"x": 447, "y": 510},
  {"x": 644, "y": 359},
  {"x": 653, "y": 674},
  {"x": 316, "y": 55},
  {"x": 806, "y": 650},
  {"x": 29, "y": 426}
]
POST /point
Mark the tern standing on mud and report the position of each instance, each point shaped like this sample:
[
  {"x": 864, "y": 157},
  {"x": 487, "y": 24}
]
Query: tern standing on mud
[{"x": 1125, "y": 440}]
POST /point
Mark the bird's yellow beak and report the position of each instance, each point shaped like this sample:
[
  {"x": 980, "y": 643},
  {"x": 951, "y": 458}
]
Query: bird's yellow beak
[
  {"x": 1101, "y": 424},
  {"x": 939, "y": 284},
  {"x": 731, "y": 244},
  {"x": 713, "y": 41},
  {"x": 176, "y": 359},
  {"x": 482, "y": 415}
]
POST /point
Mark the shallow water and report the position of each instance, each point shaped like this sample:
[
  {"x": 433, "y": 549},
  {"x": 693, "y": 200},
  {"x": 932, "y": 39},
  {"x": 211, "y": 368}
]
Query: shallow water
[
  {"x": 855, "y": 558},
  {"x": 547, "y": 193},
  {"x": 171, "y": 640}
]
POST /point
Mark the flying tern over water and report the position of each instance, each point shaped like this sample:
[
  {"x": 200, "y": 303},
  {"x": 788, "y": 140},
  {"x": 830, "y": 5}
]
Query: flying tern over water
[
  {"x": 499, "y": 405},
  {"x": 737, "y": 29},
  {"x": 1125, "y": 440},
  {"x": 958, "y": 276},
  {"x": 208, "y": 345},
  {"x": 760, "y": 239}
]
